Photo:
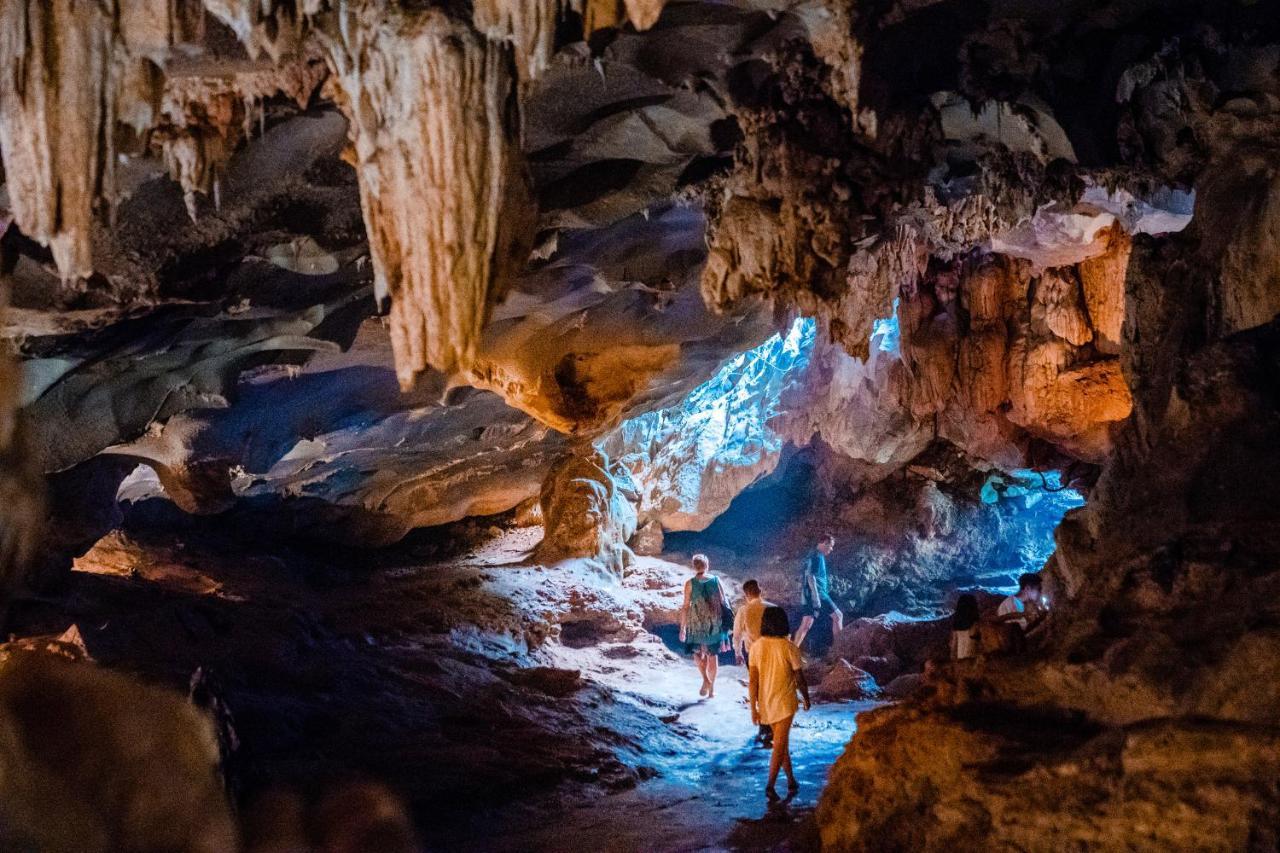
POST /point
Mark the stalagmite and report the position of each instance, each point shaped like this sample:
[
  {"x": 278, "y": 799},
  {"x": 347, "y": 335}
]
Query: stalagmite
[{"x": 1102, "y": 279}]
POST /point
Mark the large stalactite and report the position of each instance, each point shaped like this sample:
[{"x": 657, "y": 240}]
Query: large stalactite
[
  {"x": 57, "y": 115},
  {"x": 444, "y": 192}
]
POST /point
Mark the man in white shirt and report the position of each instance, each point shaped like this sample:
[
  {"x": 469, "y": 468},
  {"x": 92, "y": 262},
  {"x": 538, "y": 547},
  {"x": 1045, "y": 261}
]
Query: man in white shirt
[
  {"x": 746, "y": 630},
  {"x": 1013, "y": 610},
  {"x": 746, "y": 622}
]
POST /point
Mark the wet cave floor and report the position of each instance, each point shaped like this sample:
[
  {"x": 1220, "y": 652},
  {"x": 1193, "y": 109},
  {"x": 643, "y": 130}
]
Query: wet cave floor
[
  {"x": 449, "y": 681},
  {"x": 710, "y": 798}
]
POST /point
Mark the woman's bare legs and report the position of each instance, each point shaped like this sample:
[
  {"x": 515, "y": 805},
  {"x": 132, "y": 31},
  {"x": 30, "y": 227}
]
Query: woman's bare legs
[
  {"x": 701, "y": 657},
  {"x": 713, "y": 668},
  {"x": 780, "y": 759}
]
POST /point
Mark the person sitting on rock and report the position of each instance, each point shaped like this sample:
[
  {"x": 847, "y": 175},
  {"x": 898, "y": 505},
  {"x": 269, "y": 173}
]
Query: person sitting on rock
[
  {"x": 775, "y": 675},
  {"x": 1021, "y": 611},
  {"x": 702, "y": 622},
  {"x": 746, "y": 630},
  {"x": 964, "y": 625},
  {"x": 816, "y": 591}
]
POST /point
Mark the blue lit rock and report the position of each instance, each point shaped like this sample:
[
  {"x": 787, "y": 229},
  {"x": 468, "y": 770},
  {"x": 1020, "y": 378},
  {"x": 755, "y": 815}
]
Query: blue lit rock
[{"x": 691, "y": 460}]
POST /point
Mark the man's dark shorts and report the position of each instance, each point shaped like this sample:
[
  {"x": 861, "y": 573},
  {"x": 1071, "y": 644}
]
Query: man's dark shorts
[{"x": 824, "y": 607}]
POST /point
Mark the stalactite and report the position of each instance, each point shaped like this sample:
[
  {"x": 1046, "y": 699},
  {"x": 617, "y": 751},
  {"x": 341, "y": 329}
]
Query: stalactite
[
  {"x": 441, "y": 182},
  {"x": 432, "y": 117},
  {"x": 266, "y": 26},
  {"x": 55, "y": 111},
  {"x": 206, "y": 113},
  {"x": 599, "y": 14},
  {"x": 530, "y": 25},
  {"x": 69, "y": 71}
]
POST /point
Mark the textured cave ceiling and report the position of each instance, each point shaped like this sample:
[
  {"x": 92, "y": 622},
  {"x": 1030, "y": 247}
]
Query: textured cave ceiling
[
  {"x": 385, "y": 261},
  {"x": 633, "y": 274}
]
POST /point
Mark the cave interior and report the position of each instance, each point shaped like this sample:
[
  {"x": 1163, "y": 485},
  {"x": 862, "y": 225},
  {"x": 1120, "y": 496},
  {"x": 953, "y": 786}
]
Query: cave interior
[{"x": 375, "y": 370}]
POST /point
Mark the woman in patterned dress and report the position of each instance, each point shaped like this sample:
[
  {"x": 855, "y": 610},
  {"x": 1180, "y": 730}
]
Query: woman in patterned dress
[{"x": 702, "y": 628}]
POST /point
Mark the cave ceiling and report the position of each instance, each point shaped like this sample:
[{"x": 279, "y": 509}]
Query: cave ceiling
[{"x": 392, "y": 258}]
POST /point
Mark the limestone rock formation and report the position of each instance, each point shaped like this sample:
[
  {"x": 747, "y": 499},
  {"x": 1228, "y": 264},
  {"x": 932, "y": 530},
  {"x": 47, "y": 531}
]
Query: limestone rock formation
[
  {"x": 691, "y": 460},
  {"x": 914, "y": 272},
  {"x": 1140, "y": 684},
  {"x": 586, "y": 513},
  {"x": 428, "y": 101},
  {"x": 1142, "y": 784},
  {"x": 95, "y": 761}
]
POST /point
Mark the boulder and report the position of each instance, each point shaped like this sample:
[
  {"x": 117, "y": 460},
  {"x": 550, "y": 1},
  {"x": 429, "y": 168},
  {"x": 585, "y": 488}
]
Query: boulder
[
  {"x": 95, "y": 761},
  {"x": 845, "y": 681},
  {"x": 904, "y": 685},
  {"x": 894, "y": 637},
  {"x": 883, "y": 668},
  {"x": 648, "y": 540}
]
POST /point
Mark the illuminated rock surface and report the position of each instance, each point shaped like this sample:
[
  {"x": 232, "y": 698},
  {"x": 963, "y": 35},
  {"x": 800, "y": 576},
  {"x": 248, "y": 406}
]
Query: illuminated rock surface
[{"x": 364, "y": 344}]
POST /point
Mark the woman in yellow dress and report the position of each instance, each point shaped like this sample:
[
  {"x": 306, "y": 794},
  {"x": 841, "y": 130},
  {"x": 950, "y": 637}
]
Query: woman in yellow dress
[{"x": 775, "y": 677}]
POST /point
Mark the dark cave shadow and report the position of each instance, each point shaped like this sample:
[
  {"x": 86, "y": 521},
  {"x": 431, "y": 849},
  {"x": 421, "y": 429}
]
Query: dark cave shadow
[
  {"x": 782, "y": 827},
  {"x": 348, "y": 683}
]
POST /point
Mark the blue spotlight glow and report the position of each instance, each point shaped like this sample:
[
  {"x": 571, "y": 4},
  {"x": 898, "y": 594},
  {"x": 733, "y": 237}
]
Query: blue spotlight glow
[
  {"x": 1026, "y": 507},
  {"x": 748, "y": 386},
  {"x": 723, "y": 425}
]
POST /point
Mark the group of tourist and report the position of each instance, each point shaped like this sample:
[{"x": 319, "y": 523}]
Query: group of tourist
[
  {"x": 1019, "y": 616},
  {"x": 759, "y": 635}
]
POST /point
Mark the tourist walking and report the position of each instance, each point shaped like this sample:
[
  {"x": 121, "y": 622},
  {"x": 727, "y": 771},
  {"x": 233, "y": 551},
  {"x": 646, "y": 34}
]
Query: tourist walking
[
  {"x": 746, "y": 630},
  {"x": 702, "y": 622},
  {"x": 775, "y": 676},
  {"x": 816, "y": 591}
]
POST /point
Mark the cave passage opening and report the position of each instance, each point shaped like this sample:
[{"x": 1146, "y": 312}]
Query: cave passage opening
[{"x": 911, "y": 538}]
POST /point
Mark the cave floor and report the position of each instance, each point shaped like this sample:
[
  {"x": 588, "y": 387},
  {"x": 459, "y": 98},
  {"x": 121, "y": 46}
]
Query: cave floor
[
  {"x": 514, "y": 706},
  {"x": 709, "y": 798}
]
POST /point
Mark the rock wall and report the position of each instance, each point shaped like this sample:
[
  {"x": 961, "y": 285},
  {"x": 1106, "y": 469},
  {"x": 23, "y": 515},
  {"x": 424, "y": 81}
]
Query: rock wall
[
  {"x": 1160, "y": 658},
  {"x": 690, "y": 461}
]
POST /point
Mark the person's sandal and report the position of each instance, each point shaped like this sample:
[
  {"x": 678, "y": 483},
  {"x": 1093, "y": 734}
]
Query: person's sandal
[{"x": 771, "y": 795}]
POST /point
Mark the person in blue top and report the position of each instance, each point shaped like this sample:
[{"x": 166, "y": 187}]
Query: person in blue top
[{"x": 816, "y": 591}]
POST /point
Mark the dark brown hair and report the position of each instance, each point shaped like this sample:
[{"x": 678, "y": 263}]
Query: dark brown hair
[{"x": 774, "y": 623}]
